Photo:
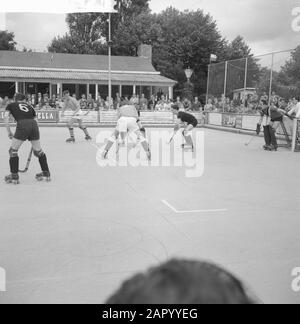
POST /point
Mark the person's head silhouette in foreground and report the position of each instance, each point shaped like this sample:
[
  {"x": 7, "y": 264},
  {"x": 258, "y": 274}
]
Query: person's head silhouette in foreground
[{"x": 183, "y": 282}]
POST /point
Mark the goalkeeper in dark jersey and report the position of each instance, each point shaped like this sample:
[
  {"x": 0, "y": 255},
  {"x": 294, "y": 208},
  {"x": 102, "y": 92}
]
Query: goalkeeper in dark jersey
[
  {"x": 276, "y": 117},
  {"x": 27, "y": 129}
]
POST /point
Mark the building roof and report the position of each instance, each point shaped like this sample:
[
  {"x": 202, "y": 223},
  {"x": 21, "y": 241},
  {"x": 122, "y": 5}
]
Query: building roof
[
  {"x": 74, "y": 61},
  {"x": 35, "y": 75},
  {"x": 48, "y": 67}
]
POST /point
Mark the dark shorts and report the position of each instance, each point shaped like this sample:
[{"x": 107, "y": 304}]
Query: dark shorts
[
  {"x": 27, "y": 129},
  {"x": 194, "y": 123},
  {"x": 277, "y": 119}
]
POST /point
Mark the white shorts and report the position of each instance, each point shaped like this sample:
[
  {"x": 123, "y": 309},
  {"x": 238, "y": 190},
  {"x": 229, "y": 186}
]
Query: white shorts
[{"x": 127, "y": 124}]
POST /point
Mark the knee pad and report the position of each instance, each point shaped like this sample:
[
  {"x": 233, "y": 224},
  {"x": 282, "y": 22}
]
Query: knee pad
[
  {"x": 114, "y": 137},
  {"x": 186, "y": 133},
  {"x": 39, "y": 154},
  {"x": 13, "y": 153}
]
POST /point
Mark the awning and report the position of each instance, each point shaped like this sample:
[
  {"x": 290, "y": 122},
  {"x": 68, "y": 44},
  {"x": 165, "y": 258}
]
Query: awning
[{"x": 45, "y": 76}]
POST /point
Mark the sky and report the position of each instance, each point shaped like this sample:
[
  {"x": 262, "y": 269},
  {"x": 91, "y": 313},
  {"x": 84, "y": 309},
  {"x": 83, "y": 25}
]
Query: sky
[{"x": 266, "y": 25}]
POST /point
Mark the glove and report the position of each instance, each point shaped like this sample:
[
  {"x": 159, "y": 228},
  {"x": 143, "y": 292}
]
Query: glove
[
  {"x": 258, "y": 129},
  {"x": 10, "y": 135},
  {"x": 291, "y": 117},
  {"x": 176, "y": 128}
]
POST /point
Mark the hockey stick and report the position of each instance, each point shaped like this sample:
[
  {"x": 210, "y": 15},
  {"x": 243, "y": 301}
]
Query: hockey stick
[
  {"x": 251, "y": 140},
  {"x": 171, "y": 139},
  {"x": 28, "y": 162}
]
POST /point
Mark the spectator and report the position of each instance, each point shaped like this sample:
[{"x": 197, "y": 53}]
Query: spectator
[
  {"x": 209, "y": 106},
  {"x": 52, "y": 102},
  {"x": 196, "y": 106},
  {"x": 28, "y": 98},
  {"x": 117, "y": 101},
  {"x": 59, "y": 103},
  {"x": 99, "y": 102},
  {"x": 33, "y": 100},
  {"x": 83, "y": 102},
  {"x": 134, "y": 100},
  {"x": 183, "y": 282},
  {"x": 143, "y": 102},
  {"x": 187, "y": 105},
  {"x": 40, "y": 101},
  {"x": 46, "y": 99},
  {"x": 264, "y": 97},
  {"x": 160, "y": 94},
  {"x": 90, "y": 102},
  {"x": 179, "y": 103},
  {"x": 152, "y": 103},
  {"x": 159, "y": 106},
  {"x": 295, "y": 111},
  {"x": 107, "y": 105}
]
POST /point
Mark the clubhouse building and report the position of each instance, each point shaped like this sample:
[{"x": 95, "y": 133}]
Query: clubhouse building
[{"x": 52, "y": 73}]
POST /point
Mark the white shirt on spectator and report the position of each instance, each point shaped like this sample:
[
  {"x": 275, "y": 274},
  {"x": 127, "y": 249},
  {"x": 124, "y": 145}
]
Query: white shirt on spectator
[{"x": 296, "y": 110}]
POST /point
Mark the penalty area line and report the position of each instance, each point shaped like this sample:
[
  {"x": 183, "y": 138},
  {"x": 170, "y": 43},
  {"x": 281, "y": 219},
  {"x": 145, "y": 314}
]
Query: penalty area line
[{"x": 192, "y": 211}]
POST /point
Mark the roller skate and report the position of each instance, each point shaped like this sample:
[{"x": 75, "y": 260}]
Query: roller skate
[
  {"x": 12, "y": 179},
  {"x": 45, "y": 175},
  {"x": 88, "y": 138},
  {"x": 270, "y": 148},
  {"x": 70, "y": 140}
]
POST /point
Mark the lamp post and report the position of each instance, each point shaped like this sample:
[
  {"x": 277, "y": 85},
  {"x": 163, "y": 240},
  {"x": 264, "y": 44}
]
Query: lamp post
[
  {"x": 109, "y": 62},
  {"x": 188, "y": 86},
  {"x": 188, "y": 73}
]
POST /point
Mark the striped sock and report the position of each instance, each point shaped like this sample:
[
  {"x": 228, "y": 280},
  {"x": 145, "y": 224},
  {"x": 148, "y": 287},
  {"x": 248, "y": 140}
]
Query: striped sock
[
  {"x": 84, "y": 129},
  {"x": 71, "y": 130}
]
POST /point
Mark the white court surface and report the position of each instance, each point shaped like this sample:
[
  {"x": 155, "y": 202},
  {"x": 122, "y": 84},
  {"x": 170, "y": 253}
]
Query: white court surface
[{"x": 74, "y": 240}]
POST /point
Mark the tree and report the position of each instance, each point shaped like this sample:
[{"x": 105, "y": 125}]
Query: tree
[
  {"x": 290, "y": 72},
  {"x": 188, "y": 39},
  {"x": 140, "y": 29},
  {"x": 237, "y": 49},
  {"x": 179, "y": 39},
  {"x": 7, "y": 42},
  {"x": 238, "y": 54},
  {"x": 88, "y": 32}
]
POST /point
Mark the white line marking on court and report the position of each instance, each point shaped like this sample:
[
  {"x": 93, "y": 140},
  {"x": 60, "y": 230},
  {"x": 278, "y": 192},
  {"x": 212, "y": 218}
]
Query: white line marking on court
[{"x": 193, "y": 211}]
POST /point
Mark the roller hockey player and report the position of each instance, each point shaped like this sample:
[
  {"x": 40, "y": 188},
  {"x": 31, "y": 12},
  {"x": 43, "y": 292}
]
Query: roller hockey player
[
  {"x": 71, "y": 103},
  {"x": 127, "y": 122},
  {"x": 27, "y": 129},
  {"x": 189, "y": 122},
  {"x": 276, "y": 116}
]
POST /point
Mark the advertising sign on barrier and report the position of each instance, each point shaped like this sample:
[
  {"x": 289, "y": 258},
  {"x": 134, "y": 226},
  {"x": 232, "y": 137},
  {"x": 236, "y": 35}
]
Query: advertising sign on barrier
[
  {"x": 215, "y": 119},
  {"x": 2, "y": 116},
  {"x": 44, "y": 116},
  {"x": 232, "y": 120},
  {"x": 47, "y": 116}
]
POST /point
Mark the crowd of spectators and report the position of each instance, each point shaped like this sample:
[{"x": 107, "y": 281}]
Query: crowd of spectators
[
  {"x": 251, "y": 105},
  {"x": 159, "y": 102}
]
